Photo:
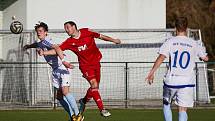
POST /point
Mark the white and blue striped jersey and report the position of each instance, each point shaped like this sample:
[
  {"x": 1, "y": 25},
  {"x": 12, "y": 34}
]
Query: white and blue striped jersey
[
  {"x": 182, "y": 53},
  {"x": 53, "y": 60}
]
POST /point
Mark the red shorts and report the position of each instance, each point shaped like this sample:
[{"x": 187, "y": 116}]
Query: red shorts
[{"x": 91, "y": 72}]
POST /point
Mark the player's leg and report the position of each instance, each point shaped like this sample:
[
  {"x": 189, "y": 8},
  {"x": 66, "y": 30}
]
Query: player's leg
[
  {"x": 182, "y": 114},
  {"x": 184, "y": 100},
  {"x": 92, "y": 92},
  {"x": 88, "y": 74},
  {"x": 95, "y": 94},
  {"x": 168, "y": 94},
  {"x": 65, "y": 90},
  {"x": 57, "y": 86},
  {"x": 104, "y": 112},
  {"x": 92, "y": 74},
  {"x": 72, "y": 103},
  {"x": 93, "y": 77},
  {"x": 64, "y": 103},
  {"x": 167, "y": 110},
  {"x": 69, "y": 98}
]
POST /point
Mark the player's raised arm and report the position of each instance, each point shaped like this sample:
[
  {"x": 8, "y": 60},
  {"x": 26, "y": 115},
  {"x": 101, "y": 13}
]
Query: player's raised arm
[
  {"x": 58, "y": 51},
  {"x": 110, "y": 39},
  {"x": 48, "y": 52},
  {"x": 104, "y": 37},
  {"x": 34, "y": 45},
  {"x": 156, "y": 65}
]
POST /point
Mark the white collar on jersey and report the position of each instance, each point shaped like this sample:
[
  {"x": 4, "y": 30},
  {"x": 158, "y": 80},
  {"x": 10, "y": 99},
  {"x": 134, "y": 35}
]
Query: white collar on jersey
[{"x": 79, "y": 34}]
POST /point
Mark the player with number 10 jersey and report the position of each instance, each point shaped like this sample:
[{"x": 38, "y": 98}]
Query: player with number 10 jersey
[
  {"x": 182, "y": 52},
  {"x": 179, "y": 82}
]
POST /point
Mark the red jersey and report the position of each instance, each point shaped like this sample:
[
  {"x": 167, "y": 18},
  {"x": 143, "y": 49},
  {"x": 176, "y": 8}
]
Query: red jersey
[{"x": 84, "y": 47}]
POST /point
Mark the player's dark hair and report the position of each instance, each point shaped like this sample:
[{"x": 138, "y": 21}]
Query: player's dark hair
[
  {"x": 181, "y": 24},
  {"x": 41, "y": 24},
  {"x": 71, "y": 23}
]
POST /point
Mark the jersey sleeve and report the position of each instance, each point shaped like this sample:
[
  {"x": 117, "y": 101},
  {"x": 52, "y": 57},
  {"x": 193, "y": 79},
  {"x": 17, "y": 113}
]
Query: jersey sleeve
[
  {"x": 48, "y": 43},
  {"x": 165, "y": 49},
  {"x": 94, "y": 34},
  {"x": 35, "y": 43},
  {"x": 64, "y": 46},
  {"x": 201, "y": 50}
]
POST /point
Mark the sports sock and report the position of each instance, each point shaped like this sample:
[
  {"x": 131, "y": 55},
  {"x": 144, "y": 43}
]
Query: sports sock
[
  {"x": 66, "y": 106},
  {"x": 97, "y": 98},
  {"x": 182, "y": 116},
  {"x": 167, "y": 112},
  {"x": 88, "y": 95},
  {"x": 71, "y": 101}
]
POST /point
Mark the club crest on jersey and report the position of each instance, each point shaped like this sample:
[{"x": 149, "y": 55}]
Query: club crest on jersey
[{"x": 81, "y": 48}]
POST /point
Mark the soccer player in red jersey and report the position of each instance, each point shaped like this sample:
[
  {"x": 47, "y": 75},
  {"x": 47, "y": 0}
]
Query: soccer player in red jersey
[{"x": 82, "y": 43}]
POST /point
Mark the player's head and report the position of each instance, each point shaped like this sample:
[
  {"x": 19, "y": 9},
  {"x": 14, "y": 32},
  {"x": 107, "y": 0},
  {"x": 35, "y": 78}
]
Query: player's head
[
  {"x": 70, "y": 27},
  {"x": 42, "y": 30},
  {"x": 181, "y": 24}
]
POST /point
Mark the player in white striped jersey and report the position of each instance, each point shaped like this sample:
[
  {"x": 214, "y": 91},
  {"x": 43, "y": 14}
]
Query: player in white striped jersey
[
  {"x": 60, "y": 74},
  {"x": 179, "y": 83}
]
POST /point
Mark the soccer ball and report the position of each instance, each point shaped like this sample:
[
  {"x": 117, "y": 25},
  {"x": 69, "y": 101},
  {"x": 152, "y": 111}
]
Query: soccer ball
[{"x": 16, "y": 27}]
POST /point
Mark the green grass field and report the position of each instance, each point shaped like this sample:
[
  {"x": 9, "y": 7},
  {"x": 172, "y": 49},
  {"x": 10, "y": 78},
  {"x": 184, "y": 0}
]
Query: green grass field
[{"x": 93, "y": 115}]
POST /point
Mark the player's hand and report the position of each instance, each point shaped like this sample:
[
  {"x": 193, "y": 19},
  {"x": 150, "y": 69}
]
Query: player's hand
[
  {"x": 25, "y": 47},
  {"x": 204, "y": 58},
  {"x": 150, "y": 78},
  {"x": 117, "y": 41},
  {"x": 68, "y": 65},
  {"x": 40, "y": 51}
]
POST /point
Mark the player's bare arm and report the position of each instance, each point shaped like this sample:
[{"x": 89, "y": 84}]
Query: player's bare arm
[
  {"x": 56, "y": 51},
  {"x": 156, "y": 65},
  {"x": 59, "y": 52},
  {"x": 48, "y": 52},
  {"x": 110, "y": 39}
]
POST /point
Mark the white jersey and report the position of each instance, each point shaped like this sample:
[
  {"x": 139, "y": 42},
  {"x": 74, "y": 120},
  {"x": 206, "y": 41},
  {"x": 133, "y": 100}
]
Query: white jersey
[
  {"x": 182, "y": 53},
  {"x": 53, "y": 60}
]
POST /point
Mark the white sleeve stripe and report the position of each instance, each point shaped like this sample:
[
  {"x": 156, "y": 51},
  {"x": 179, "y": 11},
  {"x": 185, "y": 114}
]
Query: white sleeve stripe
[{"x": 47, "y": 43}]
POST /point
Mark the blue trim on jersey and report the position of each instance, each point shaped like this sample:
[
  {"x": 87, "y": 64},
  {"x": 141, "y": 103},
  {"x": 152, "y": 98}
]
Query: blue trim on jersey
[
  {"x": 37, "y": 45},
  {"x": 52, "y": 60},
  {"x": 47, "y": 43},
  {"x": 178, "y": 86}
]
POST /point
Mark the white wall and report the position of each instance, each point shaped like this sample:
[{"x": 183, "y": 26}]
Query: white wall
[
  {"x": 147, "y": 14},
  {"x": 17, "y": 9},
  {"x": 98, "y": 14}
]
